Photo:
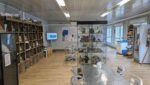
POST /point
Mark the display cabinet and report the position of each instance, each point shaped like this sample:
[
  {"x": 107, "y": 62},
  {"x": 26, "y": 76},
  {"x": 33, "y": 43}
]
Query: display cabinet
[
  {"x": 131, "y": 38},
  {"x": 91, "y": 46},
  {"x": 90, "y": 43}
]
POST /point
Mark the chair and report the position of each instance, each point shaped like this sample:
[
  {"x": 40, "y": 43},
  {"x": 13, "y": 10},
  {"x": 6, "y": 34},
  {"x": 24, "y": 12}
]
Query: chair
[
  {"x": 135, "y": 80},
  {"x": 70, "y": 54},
  {"x": 74, "y": 79},
  {"x": 121, "y": 70}
]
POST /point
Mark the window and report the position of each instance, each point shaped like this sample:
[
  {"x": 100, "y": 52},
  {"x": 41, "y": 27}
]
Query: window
[
  {"x": 140, "y": 24},
  {"x": 109, "y": 34},
  {"x": 118, "y": 33},
  {"x": 109, "y": 16},
  {"x": 139, "y": 21},
  {"x": 119, "y": 11}
]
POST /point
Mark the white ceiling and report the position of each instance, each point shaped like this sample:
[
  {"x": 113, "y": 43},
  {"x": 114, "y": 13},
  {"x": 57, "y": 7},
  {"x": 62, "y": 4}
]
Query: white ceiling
[{"x": 49, "y": 10}]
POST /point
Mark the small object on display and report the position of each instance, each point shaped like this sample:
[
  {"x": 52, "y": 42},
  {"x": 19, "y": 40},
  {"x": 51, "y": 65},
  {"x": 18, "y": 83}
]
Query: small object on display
[
  {"x": 85, "y": 39},
  {"x": 20, "y": 39},
  {"x": 95, "y": 60},
  {"x": 98, "y": 40},
  {"x": 91, "y": 31},
  {"x": 93, "y": 38},
  {"x": 86, "y": 58},
  {"x": 84, "y": 45},
  {"x": 1, "y": 27},
  {"x": 83, "y": 30},
  {"x": 15, "y": 16},
  {"x": 20, "y": 49},
  {"x": 25, "y": 38}
]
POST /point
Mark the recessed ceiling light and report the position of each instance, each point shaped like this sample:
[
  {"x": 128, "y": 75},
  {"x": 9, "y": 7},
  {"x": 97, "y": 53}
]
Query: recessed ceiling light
[
  {"x": 67, "y": 14},
  {"x": 105, "y": 14},
  {"x": 123, "y": 2},
  {"x": 61, "y": 2}
]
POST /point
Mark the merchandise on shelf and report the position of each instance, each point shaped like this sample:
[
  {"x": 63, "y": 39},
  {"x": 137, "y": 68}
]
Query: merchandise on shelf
[
  {"x": 28, "y": 38},
  {"x": 90, "y": 42}
]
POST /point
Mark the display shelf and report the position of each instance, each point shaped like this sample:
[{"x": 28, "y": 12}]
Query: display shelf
[
  {"x": 90, "y": 40},
  {"x": 28, "y": 37},
  {"x": 131, "y": 39}
]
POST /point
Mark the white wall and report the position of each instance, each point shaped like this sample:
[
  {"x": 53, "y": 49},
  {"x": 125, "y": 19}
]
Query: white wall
[{"x": 57, "y": 28}]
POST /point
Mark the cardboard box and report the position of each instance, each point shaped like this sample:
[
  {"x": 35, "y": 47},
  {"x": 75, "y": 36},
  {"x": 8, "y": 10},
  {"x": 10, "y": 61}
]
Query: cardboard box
[
  {"x": 27, "y": 63},
  {"x": 50, "y": 51},
  {"x": 22, "y": 67}
]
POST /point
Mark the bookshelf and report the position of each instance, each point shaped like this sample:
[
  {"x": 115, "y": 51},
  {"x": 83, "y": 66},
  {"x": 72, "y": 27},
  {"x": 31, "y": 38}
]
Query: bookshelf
[{"x": 28, "y": 38}]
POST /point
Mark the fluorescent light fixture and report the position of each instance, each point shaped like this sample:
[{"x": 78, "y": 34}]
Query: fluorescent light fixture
[
  {"x": 105, "y": 14},
  {"x": 123, "y": 2},
  {"x": 61, "y": 2},
  {"x": 67, "y": 14}
]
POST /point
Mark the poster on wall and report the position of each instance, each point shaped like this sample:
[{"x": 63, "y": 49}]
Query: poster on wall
[
  {"x": 65, "y": 33},
  {"x": 69, "y": 34}
]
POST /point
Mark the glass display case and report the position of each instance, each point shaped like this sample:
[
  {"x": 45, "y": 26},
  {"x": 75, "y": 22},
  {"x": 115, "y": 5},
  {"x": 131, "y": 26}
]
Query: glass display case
[
  {"x": 91, "y": 43},
  {"x": 91, "y": 47}
]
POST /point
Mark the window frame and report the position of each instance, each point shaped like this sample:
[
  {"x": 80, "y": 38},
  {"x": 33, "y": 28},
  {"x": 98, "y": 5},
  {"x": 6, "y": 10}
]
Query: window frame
[
  {"x": 120, "y": 34},
  {"x": 109, "y": 34}
]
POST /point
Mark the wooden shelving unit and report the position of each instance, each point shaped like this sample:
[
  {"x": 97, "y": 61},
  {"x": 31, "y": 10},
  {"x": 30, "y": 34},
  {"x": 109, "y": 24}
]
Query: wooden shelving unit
[
  {"x": 29, "y": 40},
  {"x": 131, "y": 39}
]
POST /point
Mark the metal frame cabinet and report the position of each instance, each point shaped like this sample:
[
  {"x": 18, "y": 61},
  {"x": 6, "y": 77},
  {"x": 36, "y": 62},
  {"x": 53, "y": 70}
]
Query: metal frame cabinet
[{"x": 8, "y": 60}]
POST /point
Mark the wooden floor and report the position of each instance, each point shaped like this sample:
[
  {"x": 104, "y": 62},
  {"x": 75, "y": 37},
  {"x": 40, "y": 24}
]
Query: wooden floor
[
  {"x": 49, "y": 71},
  {"x": 131, "y": 67},
  {"x": 53, "y": 70}
]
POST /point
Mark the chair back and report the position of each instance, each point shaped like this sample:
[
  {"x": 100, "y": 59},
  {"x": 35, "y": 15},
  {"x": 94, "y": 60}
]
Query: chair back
[
  {"x": 134, "y": 80},
  {"x": 121, "y": 70}
]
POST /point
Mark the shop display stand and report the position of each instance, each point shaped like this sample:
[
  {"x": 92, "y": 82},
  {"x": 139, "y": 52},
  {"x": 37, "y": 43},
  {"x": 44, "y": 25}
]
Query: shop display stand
[
  {"x": 91, "y": 47},
  {"x": 131, "y": 40},
  {"x": 90, "y": 42},
  {"x": 28, "y": 38}
]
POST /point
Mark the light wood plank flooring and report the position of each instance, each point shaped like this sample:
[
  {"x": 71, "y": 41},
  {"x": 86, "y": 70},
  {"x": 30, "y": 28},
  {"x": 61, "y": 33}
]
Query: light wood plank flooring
[
  {"x": 53, "y": 70},
  {"x": 49, "y": 71},
  {"x": 131, "y": 67}
]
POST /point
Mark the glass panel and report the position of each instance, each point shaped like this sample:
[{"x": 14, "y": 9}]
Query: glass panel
[
  {"x": 109, "y": 33},
  {"x": 118, "y": 33}
]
